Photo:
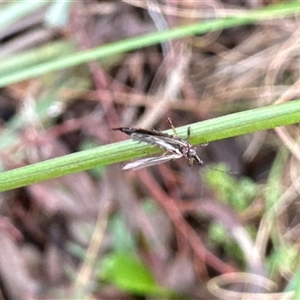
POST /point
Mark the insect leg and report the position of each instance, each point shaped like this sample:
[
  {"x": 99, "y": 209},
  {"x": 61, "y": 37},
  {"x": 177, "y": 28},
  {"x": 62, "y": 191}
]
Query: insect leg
[
  {"x": 172, "y": 126},
  {"x": 188, "y": 132}
]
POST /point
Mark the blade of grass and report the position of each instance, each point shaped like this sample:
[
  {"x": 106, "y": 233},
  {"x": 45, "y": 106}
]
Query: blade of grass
[
  {"x": 39, "y": 55},
  {"x": 14, "y": 11},
  {"x": 202, "y": 132},
  {"x": 279, "y": 10}
]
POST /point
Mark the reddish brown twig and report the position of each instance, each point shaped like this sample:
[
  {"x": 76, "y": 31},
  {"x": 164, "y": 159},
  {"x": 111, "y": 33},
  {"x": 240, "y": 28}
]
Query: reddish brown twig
[{"x": 169, "y": 204}]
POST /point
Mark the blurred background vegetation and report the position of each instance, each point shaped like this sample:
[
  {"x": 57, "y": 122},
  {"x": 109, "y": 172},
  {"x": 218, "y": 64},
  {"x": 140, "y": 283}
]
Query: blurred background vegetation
[{"x": 168, "y": 231}]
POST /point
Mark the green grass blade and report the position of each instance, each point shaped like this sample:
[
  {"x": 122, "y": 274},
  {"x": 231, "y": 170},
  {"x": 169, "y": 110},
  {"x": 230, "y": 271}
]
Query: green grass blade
[
  {"x": 28, "y": 59},
  {"x": 249, "y": 17},
  {"x": 15, "y": 10},
  {"x": 202, "y": 132}
]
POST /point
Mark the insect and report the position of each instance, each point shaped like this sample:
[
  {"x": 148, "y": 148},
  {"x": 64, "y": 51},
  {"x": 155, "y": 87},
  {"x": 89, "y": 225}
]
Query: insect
[{"x": 175, "y": 146}]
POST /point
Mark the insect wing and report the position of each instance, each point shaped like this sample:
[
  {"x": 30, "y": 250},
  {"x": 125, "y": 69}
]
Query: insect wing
[
  {"x": 159, "y": 137},
  {"x": 159, "y": 141},
  {"x": 141, "y": 131},
  {"x": 151, "y": 161},
  {"x": 154, "y": 137}
]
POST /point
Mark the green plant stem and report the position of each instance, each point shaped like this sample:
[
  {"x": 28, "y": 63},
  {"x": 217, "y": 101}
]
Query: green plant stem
[
  {"x": 202, "y": 132},
  {"x": 249, "y": 17}
]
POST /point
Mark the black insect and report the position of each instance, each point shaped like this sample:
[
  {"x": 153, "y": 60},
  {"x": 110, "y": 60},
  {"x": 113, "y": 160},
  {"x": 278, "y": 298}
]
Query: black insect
[{"x": 175, "y": 146}]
